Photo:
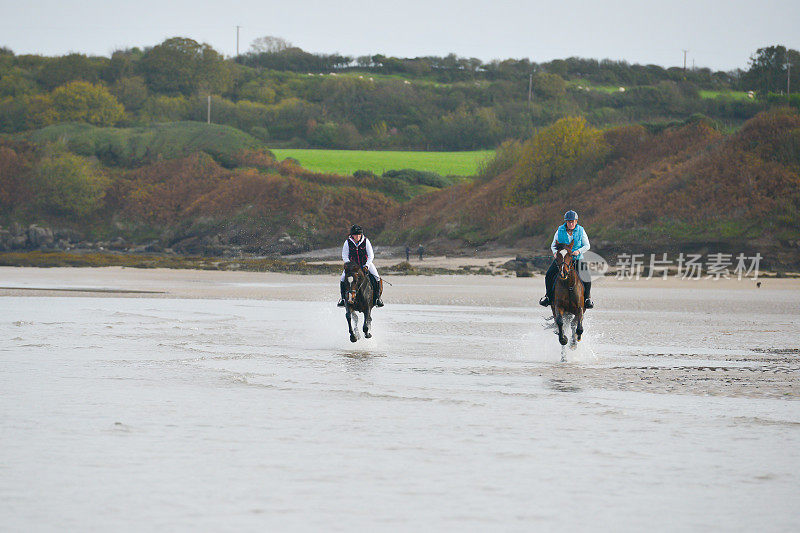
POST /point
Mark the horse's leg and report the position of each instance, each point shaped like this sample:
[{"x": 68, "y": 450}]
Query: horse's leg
[
  {"x": 573, "y": 343},
  {"x": 356, "y": 333},
  {"x": 560, "y": 322},
  {"x": 368, "y": 322},
  {"x": 349, "y": 315},
  {"x": 579, "y": 320}
]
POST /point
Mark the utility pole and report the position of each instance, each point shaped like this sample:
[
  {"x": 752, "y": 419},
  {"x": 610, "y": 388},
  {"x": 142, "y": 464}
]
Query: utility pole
[
  {"x": 237, "y": 40},
  {"x": 788, "y": 79},
  {"x": 530, "y": 89},
  {"x": 684, "y": 60},
  {"x": 208, "y": 119}
]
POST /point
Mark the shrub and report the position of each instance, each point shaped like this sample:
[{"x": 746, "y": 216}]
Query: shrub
[
  {"x": 68, "y": 185},
  {"x": 419, "y": 177}
]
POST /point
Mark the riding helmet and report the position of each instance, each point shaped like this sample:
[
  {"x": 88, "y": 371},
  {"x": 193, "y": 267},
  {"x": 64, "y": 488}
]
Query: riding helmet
[
  {"x": 355, "y": 229},
  {"x": 570, "y": 215}
]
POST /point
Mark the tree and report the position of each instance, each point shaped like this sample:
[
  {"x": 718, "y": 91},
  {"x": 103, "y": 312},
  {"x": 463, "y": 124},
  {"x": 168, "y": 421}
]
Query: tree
[
  {"x": 547, "y": 85},
  {"x": 131, "y": 92},
  {"x": 182, "y": 65},
  {"x": 269, "y": 44},
  {"x": 84, "y": 102},
  {"x": 68, "y": 185},
  {"x": 61, "y": 70},
  {"x": 567, "y": 148},
  {"x": 767, "y": 71}
]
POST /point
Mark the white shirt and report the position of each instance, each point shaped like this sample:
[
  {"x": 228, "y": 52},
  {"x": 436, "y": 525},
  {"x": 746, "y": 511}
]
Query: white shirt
[{"x": 346, "y": 250}]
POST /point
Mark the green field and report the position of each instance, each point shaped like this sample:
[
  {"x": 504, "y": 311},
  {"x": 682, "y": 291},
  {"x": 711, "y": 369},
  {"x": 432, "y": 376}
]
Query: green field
[
  {"x": 733, "y": 95},
  {"x": 345, "y": 162}
]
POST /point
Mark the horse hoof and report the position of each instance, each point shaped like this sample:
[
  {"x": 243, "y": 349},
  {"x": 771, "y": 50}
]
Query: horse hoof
[
  {"x": 563, "y": 341},
  {"x": 353, "y": 338},
  {"x": 367, "y": 335}
]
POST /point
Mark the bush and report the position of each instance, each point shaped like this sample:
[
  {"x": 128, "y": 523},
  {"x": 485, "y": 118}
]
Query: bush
[
  {"x": 68, "y": 185},
  {"x": 419, "y": 177}
]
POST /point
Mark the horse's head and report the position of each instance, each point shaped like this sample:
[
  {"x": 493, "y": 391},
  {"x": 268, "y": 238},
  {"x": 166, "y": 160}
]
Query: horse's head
[
  {"x": 565, "y": 261},
  {"x": 355, "y": 277}
]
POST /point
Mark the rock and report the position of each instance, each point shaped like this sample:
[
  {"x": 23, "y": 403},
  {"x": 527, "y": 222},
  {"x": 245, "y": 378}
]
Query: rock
[
  {"x": 39, "y": 237},
  {"x": 68, "y": 235},
  {"x": 154, "y": 247},
  {"x": 117, "y": 244},
  {"x": 19, "y": 242},
  {"x": 5, "y": 240}
]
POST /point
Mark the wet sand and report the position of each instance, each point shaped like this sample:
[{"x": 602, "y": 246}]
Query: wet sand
[
  {"x": 672, "y": 322},
  {"x": 173, "y": 400}
]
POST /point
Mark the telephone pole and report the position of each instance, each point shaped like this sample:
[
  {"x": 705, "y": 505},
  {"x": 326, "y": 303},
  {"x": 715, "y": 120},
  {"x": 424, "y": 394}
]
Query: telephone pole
[
  {"x": 237, "y": 39},
  {"x": 684, "y": 60},
  {"x": 788, "y": 79},
  {"x": 530, "y": 89}
]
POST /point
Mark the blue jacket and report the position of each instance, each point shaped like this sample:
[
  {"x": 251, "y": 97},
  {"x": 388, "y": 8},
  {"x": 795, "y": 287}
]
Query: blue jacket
[{"x": 579, "y": 237}]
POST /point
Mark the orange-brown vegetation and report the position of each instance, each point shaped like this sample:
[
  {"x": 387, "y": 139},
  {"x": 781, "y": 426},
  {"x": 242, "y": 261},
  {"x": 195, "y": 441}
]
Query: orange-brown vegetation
[
  {"x": 16, "y": 161},
  {"x": 686, "y": 183}
]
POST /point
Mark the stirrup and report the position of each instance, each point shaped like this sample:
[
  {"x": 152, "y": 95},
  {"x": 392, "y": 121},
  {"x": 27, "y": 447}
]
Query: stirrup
[
  {"x": 341, "y": 303},
  {"x": 588, "y": 304},
  {"x": 545, "y": 301}
]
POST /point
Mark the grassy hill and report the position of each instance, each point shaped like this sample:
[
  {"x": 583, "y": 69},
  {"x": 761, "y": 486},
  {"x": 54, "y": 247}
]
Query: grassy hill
[{"x": 130, "y": 147}]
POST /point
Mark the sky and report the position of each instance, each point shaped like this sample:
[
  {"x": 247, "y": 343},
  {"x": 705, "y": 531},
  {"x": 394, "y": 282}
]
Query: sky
[{"x": 721, "y": 35}]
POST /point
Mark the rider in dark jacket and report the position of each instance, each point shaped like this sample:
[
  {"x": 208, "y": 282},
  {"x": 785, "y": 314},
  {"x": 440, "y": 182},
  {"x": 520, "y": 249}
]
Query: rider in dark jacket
[
  {"x": 358, "y": 249},
  {"x": 569, "y": 232}
]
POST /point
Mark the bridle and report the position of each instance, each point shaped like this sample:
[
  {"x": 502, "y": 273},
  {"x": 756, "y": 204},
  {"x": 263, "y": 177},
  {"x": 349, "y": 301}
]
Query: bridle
[
  {"x": 352, "y": 291},
  {"x": 565, "y": 270}
]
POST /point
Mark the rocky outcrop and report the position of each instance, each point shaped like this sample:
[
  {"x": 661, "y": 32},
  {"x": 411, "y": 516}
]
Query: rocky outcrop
[{"x": 35, "y": 237}]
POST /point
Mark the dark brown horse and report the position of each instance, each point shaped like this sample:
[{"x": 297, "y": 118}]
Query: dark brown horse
[
  {"x": 568, "y": 296},
  {"x": 359, "y": 298}
]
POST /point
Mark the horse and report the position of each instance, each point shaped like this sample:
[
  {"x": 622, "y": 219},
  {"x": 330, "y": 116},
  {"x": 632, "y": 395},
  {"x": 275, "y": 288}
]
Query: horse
[
  {"x": 359, "y": 298},
  {"x": 568, "y": 297}
]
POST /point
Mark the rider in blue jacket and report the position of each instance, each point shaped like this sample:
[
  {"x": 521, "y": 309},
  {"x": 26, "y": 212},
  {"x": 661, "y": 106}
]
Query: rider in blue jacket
[{"x": 568, "y": 232}]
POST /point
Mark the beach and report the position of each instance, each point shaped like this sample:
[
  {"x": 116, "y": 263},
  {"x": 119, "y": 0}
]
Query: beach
[{"x": 182, "y": 400}]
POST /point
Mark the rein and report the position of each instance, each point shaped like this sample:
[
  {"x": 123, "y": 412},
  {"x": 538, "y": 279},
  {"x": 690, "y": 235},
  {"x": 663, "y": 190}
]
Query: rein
[
  {"x": 564, "y": 275},
  {"x": 353, "y": 291}
]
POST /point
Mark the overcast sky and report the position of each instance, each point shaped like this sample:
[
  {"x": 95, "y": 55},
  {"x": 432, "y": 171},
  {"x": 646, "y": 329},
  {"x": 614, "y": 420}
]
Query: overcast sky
[{"x": 720, "y": 34}]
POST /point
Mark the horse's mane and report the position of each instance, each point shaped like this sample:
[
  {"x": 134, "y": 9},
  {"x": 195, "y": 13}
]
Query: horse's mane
[{"x": 352, "y": 267}]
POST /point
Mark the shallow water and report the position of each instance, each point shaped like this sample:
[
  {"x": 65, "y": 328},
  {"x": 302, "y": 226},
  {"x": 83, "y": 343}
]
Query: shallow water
[{"x": 677, "y": 411}]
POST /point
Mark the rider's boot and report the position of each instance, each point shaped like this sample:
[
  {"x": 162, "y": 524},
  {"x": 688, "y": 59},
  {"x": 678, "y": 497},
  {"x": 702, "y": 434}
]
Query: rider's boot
[
  {"x": 343, "y": 290},
  {"x": 587, "y": 303},
  {"x": 545, "y": 301},
  {"x": 378, "y": 301}
]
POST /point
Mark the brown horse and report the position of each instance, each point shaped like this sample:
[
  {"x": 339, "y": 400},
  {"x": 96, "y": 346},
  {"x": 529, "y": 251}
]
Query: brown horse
[
  {"x": 568, "y": 296},
  {"x": 359, "y": 298}
]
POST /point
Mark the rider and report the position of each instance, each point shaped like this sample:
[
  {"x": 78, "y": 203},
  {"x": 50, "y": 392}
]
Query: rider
[
  {"x": 358, "y": 249},
  {"x": 569, "y": 232}
]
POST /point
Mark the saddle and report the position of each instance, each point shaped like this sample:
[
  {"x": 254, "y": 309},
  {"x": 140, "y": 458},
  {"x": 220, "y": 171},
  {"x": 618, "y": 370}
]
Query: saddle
[{"x": 377, "y": 287}]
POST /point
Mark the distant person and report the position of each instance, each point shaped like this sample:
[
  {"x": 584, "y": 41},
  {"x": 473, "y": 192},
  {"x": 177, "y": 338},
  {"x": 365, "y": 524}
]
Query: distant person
[
  {"x": 420, "y": 251},
  {"x": 358, "y": 249},
  {"x": 569, "y": 232},
  {"x": 408, "y": 253}
]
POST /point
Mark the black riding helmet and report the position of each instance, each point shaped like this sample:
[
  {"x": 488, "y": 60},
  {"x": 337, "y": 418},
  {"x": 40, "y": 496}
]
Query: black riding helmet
[{"x": 355, "y": 229}]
